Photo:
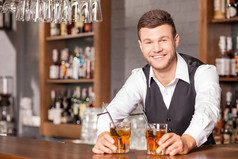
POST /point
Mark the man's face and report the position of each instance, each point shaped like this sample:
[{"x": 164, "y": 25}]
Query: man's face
[{"x": 158, "y": 46}]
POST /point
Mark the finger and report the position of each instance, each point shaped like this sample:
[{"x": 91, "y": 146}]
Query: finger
[
  {"x": 108, "y": 138},
  {"x": 105, "y": 149},
  {"x": 167, "y": 143},
  {"x": 174, "y": 146},
  {"x": 95, "y": 150},
  {"x": 109, "y": 144},
  {"x": 174, "y": 152},
  {"x": 165, "y": 137}
]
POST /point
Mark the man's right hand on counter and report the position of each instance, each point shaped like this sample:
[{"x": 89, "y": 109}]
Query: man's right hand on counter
[{"x": 104, "y": 144}]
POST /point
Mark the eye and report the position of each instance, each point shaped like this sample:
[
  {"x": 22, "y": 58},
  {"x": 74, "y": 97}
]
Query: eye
[{"x": 148, "y": 42}]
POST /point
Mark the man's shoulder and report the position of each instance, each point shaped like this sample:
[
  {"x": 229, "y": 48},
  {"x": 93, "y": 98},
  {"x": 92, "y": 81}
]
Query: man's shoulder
[{"x": 190, "y": 60}]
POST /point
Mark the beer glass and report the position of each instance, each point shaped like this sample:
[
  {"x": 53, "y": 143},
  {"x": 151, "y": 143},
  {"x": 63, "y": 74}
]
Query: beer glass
[
  {"x": 121, "y": 133},
  {"x": 154, "y": 131}
]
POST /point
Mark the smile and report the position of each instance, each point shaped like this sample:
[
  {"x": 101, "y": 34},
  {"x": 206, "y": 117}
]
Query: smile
[{"x": 158, "y": 56}]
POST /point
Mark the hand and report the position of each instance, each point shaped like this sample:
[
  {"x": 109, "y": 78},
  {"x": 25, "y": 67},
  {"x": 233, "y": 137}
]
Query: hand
[
  {"x": 175, "y": 144},
  {"x": 104, "y": 144}
]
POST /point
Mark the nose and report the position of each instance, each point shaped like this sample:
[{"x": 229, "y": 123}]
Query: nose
[{"x": 157, "y": 47}]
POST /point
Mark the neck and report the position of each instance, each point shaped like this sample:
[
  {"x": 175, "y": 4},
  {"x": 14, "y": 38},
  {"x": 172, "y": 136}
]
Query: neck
[{"x": 166, "y": 76}]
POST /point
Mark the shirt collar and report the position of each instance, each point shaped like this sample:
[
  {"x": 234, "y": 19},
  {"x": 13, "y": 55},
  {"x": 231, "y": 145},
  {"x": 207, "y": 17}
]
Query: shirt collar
[{"x": 181, "y": 70}]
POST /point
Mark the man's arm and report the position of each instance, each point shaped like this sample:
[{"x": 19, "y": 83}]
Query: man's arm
[
  {"x": 205, "y": 116},
  {"x": 120, "y": 107}
]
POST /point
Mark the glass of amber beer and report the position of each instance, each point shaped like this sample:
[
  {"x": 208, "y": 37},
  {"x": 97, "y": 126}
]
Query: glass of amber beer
[
  {"x": 154, "y": 131},
  {"x": 121, "y": 133}
]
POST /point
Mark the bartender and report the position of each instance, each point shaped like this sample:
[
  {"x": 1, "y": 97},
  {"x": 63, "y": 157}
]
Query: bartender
[{"x": 174, "y": 88}]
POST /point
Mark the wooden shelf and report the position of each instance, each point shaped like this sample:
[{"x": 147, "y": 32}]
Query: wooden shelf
[
  {"x": 62, "y": 130},
  {"x": 100, "y": 40},
  {"x": 70, "y": 81},
  {"x": 228, "y": 79},
  {"x": 225, "y": 20},
  {"x": 81, "y": 35}
]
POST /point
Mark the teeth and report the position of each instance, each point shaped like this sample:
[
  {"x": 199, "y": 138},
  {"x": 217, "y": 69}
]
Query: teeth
[{"x": 158, "y": 56}]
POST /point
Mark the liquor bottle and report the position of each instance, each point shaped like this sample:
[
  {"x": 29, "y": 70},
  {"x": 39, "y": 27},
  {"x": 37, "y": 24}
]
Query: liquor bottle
[
  {"x": 236, "y": 57},
  {"x": 88, "y": 27},
  {"x": 228, "y": 109},
  {"x": 76, "y": 102},
  {"x": 76, "y": 63},
  {"x": 83, "y": 103},
  {"x": 69, "y": 107},
  {"x": 52, "y": 106},
  {"x": 218, "y": 134},
  {"x": 227, "y": 132},
  {"x": 88, "y": 62},
  {"x": 69, "y": 67},
  {"x": 231, "y": 9},
  {"x": 64, "y": 60},
  {"x": 54, "y": 67},
  {"x": 91, "y": 95},
  {"x": 57, "y": 113},
  {"x": 219, "y": 9},
  {"x": 64, "y": 114},
  {"x": 223, "y": 62},
  {"x": 54, "y": 29},
  {"x": 63, "y": 29},
  {"x": 231, "y": 57}
]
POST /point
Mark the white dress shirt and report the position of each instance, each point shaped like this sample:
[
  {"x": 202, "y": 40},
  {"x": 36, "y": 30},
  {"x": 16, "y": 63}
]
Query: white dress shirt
[{"x": 207, "y": 102}]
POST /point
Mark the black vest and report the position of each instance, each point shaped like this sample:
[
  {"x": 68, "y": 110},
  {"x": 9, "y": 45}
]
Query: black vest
[{"x": 181, "y": 109}]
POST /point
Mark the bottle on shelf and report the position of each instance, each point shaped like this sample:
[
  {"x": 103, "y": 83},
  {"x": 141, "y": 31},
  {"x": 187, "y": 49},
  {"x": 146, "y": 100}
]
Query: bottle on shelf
[
  {"x": 88, "y": 62},
  {"x": 69, "y": 67},
  {"x": 54, "y": 29},
  {"x": 64, "y": 63},
  {"x": 83, "y": 102},
  {"x": 63, "y": 29},
  {"x": 91, "y": 95},
  {"x": 231, "y": 9},
  {"x": 54, "y": 67},
  {"x": 219, "y": 9},
  {"x": 88, "y": 27},
  {"x": 217, "y": 133},
  {"x": 230, "y": 54},
  {"x": 228, "y": 132},
  {"x": 52, "y": 106},
  {"x": 223, "y": 62},
  {"x": 236, "y": 57},
  {"x": 228, "y": 109},
  {"x": 57, "y": 113},
  {"x": 76, "y": 105}
]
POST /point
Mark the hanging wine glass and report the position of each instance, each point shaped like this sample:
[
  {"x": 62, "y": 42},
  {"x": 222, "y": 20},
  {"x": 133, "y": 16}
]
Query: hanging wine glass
[
  {"x": 10, "y": 5},
  {"x": 85, "y": 11},
  {"x": 96, "y": 11}
]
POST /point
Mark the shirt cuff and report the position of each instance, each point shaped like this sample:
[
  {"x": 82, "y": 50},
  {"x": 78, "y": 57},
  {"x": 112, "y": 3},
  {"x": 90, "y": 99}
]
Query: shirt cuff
[{"x": 199, "y": 136}]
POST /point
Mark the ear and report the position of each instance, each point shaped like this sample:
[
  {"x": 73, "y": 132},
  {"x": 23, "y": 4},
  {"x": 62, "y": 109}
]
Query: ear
[
  {"x": 176, "y": 40},
  {"x": 140, "y": 44}
]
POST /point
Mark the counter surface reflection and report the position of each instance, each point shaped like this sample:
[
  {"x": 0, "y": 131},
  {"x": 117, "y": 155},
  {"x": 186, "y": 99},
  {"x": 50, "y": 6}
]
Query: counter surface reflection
[{"x": 22, "y": 148}]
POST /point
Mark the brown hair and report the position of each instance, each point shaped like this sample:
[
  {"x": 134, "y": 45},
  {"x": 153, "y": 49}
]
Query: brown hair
[{"x": 154, "y": 18}]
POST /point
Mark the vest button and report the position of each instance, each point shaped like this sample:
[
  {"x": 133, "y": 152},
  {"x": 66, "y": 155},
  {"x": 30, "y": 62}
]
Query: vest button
[
  {"x": 168, "y": 119},
  {"x": 170, "y": 129}
]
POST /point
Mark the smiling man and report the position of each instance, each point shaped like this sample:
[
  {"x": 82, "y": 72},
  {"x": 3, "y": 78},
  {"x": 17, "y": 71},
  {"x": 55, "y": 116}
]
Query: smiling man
[{"x": 174, "y": 88}]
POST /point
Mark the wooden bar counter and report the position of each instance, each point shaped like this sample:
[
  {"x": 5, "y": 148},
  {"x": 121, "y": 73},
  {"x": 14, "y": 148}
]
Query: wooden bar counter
[{"x": 22, "y": 148}]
